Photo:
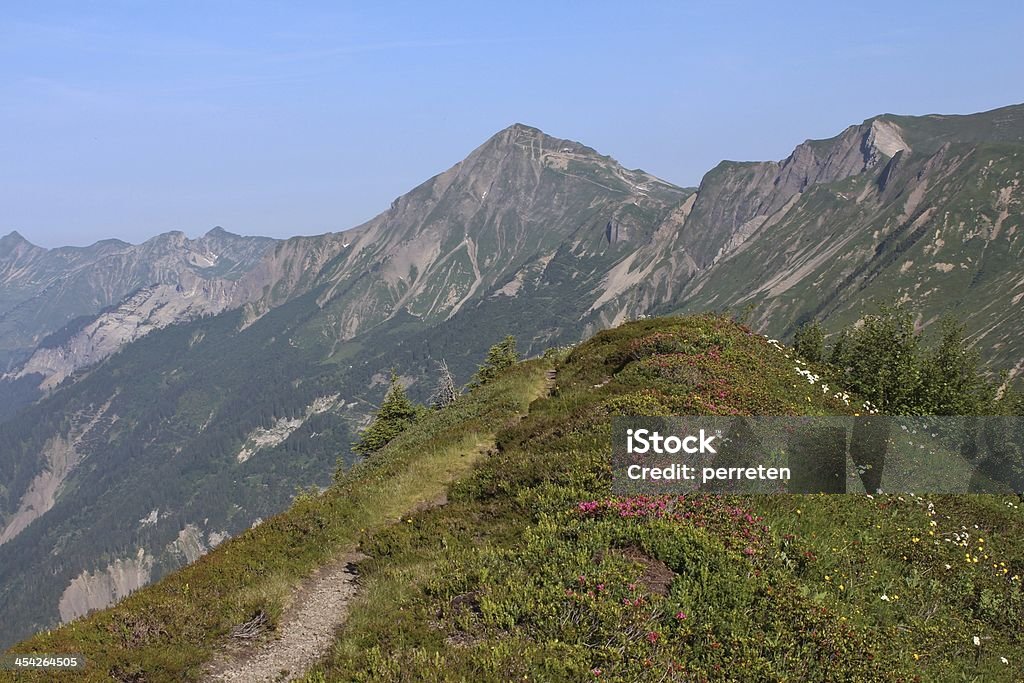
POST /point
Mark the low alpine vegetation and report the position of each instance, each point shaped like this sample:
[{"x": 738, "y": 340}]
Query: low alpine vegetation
[
  {"x": 168, "y": 631},
  {"x": 534, "y": 571}
]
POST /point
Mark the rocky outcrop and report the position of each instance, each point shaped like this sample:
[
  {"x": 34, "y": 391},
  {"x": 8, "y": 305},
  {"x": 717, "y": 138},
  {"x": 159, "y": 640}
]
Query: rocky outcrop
[
  {"x": 189, "y": 546},
  {"x": 736, "y": 197},
  {"x": 60, "y": 455},
  {"x": 96, "y": 590},
  {"x": 148, "y": 309},
  {"x": 61, "y": 458},
  {"x": 274, "y": 435}
]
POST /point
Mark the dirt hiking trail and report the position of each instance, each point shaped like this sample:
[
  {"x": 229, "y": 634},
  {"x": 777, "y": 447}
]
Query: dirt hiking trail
[
  {"x": 305, "y": 632},
  {"x": 319, "y": 607}
]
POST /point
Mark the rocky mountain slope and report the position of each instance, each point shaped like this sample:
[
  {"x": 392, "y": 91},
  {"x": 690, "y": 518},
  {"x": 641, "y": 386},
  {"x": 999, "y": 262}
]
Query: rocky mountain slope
[
  {"x": 44, "y": 290},
  {"x": 280, "y": 273},
  {"x": 193, "y": 432},
  {"x": 515, "y": 212},
  {"x": 926, "y": 211}
]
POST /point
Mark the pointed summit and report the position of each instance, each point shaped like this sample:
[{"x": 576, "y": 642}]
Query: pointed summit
[
  {"x": 534, "y": 142},
  {"x": 14, "y": 236},
  {"x": 220, "y": 233},
  {"x": 12, "y": 241},
  {"x": 522, "y": 127}
]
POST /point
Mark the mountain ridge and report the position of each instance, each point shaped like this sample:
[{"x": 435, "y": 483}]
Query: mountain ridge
[{"x": 42, "y": 290}]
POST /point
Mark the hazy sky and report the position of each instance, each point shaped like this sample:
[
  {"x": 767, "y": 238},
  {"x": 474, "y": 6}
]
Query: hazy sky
[{"x": 125, "y": 119}]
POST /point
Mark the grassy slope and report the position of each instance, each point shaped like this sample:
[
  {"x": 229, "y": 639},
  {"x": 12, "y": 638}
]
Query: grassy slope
[
  {"x": 514, "y": 580},
  {"x": 166, "y": 631}
]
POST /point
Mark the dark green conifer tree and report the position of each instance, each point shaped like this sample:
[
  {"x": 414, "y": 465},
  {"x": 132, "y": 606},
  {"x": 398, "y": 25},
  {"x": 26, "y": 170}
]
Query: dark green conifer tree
[
  {"x": 500, "y": 356},
  {"x": 396, "y": 414}
]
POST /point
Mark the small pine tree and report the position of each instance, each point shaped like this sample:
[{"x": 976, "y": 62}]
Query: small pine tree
[
  {"x": 500, "y": 356},
  {"x": 396, "y": 414},
  {"x": 809, "y": 342},
  {"x": 445, "y": 393}
]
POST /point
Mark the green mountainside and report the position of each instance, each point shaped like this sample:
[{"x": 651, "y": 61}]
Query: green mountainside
[
  {"x": 942, "y": 234},
  {"x": 929, "y": 133},
  {"x": 527, "y": 568},
  {"x": 154, "y": 451}
]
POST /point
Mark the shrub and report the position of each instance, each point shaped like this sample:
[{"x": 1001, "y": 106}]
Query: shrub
[
  {"x": 809, "y": 342},
  {"x": 885, "y": 360},
  {"x": 951, "y": 382},
  {"x": 880, "y": 360}
]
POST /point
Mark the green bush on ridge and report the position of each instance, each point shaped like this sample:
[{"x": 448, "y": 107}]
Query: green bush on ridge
[{"x": 884, "y": 359}]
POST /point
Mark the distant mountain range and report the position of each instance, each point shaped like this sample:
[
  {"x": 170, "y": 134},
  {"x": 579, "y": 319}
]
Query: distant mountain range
[
  {"x": 44, "y": 290},
  {"x": 164, "y": 396}
]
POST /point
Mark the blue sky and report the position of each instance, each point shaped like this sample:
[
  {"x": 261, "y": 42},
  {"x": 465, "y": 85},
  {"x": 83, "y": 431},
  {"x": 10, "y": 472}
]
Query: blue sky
[{"x": 126, "y": 119}]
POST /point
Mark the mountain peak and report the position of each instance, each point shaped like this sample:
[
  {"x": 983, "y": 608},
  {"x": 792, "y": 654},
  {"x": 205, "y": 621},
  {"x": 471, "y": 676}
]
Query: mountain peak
[
  {"x": 534, "y": 143},
  {"x": 171, "y": 236},
  {"x": 12, "y": 241},
  {"x": 524, "y": 128},
  {"x": 515, "y": 132},
  {"x": 14, "y": 236}
]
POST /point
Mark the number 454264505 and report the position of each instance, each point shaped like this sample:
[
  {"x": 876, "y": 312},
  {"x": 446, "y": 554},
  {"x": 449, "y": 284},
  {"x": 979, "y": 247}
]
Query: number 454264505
[{"x": 23, "y": 662}]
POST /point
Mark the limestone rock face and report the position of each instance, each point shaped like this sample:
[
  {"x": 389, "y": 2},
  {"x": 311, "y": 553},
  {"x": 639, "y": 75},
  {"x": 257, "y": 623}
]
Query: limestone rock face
[
  {"x": 148, "y": 309},
  {"x": 96, "y": 590}
]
